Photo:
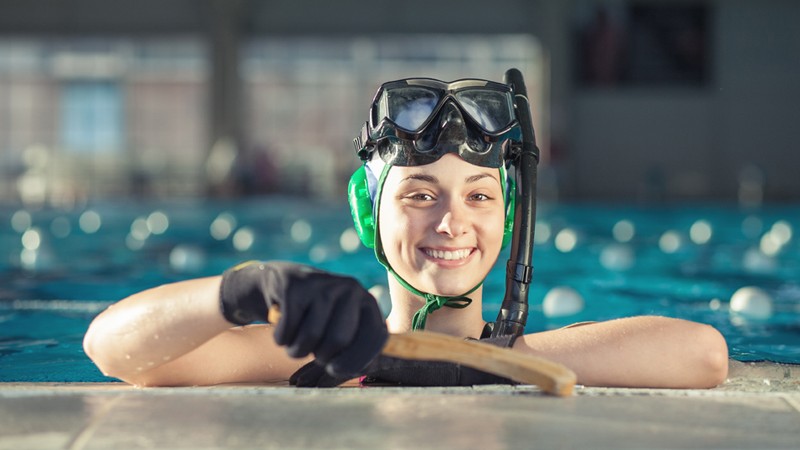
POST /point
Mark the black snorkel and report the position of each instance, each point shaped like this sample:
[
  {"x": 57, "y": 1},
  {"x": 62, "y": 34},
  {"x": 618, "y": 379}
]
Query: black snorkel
[{"x": 513, "y": 313}]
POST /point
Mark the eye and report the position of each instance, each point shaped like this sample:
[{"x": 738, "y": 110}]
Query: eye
[
  {"x": 479, "y": 197},
  {"x": 419, "y": 197}
]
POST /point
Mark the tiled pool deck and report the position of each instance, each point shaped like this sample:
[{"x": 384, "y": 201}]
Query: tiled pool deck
[{"x": 758, "y": 407}]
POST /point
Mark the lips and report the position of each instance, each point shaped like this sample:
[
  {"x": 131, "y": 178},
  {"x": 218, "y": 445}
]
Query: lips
[{"x": 448, "y": 255}]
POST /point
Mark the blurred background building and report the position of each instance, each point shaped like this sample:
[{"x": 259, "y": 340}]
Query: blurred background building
[{"x": 634, "y": 100}]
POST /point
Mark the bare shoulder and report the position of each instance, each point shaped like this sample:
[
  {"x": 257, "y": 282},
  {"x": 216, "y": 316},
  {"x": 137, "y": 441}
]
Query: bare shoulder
[{"x": 246, "y": 354}]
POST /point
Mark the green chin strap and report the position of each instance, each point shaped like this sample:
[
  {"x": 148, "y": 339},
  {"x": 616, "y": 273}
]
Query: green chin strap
[{"x": 432, "y": 301}]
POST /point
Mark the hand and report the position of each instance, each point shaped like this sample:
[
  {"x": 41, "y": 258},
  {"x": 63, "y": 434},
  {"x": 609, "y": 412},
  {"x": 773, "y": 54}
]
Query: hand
[
  {"x": 406, "y": 372},
  {"x": 328, "y": 315}
]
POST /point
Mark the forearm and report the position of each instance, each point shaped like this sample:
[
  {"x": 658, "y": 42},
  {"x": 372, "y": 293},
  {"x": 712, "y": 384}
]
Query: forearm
[
  {"x": 155, "y": 326},
  {"x": 653, "y": 352}
]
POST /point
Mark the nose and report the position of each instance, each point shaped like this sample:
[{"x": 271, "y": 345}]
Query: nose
[{"x": 454, "y": 220}]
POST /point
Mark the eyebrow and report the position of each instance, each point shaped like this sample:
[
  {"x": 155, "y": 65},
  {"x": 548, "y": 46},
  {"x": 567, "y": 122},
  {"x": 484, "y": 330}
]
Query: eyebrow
[{"x": 432, "y": 179}]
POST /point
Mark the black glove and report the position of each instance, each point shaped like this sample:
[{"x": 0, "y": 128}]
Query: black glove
[
  {"x": 405, "y": 372},
  {"x": 328, "y": 315}
]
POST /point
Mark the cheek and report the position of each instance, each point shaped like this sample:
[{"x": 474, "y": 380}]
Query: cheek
[
  {"x": 389, "y": 225},
  {"x": 492, "y": 230},
  {"x": 395, "y": 225}
]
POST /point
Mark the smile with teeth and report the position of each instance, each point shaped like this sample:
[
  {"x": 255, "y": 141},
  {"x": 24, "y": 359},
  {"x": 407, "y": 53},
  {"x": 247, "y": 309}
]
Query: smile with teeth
[{"x": 448, "y": 255}]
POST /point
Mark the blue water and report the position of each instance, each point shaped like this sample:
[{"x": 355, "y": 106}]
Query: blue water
[{"x": 60, "y": 268}]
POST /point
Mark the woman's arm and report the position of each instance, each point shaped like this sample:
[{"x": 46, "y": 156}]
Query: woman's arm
[
  {"x": 176, "y": 335},
  {"x": 654, "y": 352}
]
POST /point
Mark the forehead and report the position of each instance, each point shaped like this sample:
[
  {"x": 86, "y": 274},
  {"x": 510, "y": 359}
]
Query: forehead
[{"x": 448, "y": 169}]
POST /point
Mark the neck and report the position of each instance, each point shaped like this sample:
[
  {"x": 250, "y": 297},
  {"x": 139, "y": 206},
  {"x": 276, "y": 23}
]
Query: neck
[{"x": 467, "y": 322}]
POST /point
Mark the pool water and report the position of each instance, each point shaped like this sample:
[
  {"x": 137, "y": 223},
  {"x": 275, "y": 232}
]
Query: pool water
[{"x": 61, "y": 268}]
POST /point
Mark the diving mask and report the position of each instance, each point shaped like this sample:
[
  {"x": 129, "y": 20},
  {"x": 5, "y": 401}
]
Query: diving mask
[{"x": 418, "y": 120}]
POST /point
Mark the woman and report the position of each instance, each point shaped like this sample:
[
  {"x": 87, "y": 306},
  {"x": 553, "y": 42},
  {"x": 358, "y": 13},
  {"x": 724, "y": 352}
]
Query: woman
[{"x": 432, "y": 199}]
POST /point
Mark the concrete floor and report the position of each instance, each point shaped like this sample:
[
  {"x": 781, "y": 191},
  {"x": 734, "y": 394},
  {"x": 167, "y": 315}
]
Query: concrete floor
[{"x": 759, "y": 407}]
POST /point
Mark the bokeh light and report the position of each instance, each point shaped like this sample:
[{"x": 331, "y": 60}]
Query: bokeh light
[
  {"x": 623, "y": 231},
  {"x": 90, "y": 222}
]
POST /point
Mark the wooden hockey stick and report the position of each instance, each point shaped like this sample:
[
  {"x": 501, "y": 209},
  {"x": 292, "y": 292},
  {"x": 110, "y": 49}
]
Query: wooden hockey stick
[{"x": 553, "y": 378}]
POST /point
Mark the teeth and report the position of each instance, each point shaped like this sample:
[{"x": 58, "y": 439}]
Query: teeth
[{"x": 447, "y": 255}]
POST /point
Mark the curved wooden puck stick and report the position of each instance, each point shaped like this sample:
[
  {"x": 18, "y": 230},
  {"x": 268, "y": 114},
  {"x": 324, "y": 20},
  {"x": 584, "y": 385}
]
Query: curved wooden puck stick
[{"x": 553, "y": 378}]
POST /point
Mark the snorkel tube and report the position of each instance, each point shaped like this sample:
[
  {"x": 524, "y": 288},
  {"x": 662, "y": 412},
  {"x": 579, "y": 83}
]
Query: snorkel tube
[{"x": 513, "y": 313}]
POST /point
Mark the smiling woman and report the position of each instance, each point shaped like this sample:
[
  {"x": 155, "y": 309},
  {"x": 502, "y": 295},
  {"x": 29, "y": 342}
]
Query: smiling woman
[{"x": 433, "y": 203}]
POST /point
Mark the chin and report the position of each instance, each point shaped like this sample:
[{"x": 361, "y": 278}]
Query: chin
[{"x": 449, "y": 290}]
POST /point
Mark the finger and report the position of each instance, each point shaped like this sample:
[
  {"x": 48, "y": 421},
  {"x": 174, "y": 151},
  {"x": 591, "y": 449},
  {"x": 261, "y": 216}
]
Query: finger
[
  {"x": 286, "y": 329},
  {"x": 342, "y": 324},
  {"x": 311, "y": 329},
  {"x": 308, "y": 375},
  {"x": 295, "y": 306},
  {"x": 370, "y": 338}
]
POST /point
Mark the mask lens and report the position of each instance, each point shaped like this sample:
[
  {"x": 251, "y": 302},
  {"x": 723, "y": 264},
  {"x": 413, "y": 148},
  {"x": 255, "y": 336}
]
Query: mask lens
[
  {"x": 408, "y": 107},
  {"x": 491, "y": 109}
]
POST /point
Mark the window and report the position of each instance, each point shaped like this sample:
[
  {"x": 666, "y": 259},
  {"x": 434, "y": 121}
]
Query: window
[{"x": 91, "y": 117}]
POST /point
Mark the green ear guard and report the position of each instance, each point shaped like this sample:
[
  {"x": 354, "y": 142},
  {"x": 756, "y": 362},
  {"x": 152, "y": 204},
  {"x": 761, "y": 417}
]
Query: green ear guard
[{"x": 361, "y": 206}]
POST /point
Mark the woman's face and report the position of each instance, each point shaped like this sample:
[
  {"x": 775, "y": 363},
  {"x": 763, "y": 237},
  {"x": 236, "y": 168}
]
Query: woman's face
[{"x": 441, "y": 224}]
